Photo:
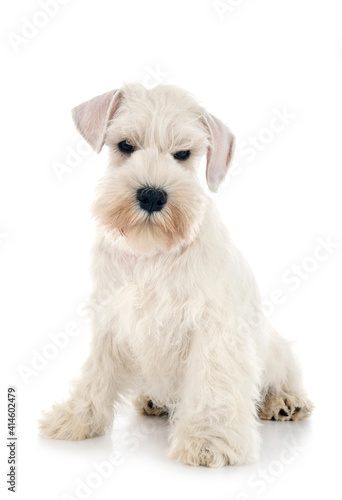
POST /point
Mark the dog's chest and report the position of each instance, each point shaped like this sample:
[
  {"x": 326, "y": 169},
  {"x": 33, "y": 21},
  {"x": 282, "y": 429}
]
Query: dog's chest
[
  {"x": 151, "y": 309},
  {"x": 151, "y": 318}
]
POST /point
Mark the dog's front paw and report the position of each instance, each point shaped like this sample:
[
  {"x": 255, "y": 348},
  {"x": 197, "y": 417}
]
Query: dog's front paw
[
  {"x": 215, "y": 449},
  {"x": 212, "y": 452},
  {"x": 71, "y": 421},
  {"x": 285, "y": 407}
]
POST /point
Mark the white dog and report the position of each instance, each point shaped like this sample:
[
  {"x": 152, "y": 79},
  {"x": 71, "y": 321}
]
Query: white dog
[{"x": 182, "y": 322}]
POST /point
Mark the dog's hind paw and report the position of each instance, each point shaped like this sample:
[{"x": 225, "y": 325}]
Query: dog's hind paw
[
  {"x": 285, "y": 407},
  {"x": 145, "y": 406}
]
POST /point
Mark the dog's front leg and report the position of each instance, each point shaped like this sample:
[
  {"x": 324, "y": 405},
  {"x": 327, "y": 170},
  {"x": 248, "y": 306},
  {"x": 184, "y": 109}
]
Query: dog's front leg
[
  {"x": 89, "y": 410},
  {"x": 215, "y": 422}
]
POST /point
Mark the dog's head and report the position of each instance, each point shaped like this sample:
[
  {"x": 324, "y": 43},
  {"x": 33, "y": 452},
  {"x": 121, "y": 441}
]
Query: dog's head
[{"x": 150, "y": 198}]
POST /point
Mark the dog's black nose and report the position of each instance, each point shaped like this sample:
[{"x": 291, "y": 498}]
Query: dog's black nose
[{"x": 151, "y": 199}]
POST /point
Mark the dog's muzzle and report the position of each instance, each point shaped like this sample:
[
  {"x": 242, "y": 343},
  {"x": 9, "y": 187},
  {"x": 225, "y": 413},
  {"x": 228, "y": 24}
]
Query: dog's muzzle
[{"x": 151, "y": 199}]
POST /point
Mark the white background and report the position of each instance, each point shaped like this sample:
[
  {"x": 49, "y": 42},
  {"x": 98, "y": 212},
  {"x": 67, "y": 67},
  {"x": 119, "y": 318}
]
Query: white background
[{"x": 245, "y": 62}]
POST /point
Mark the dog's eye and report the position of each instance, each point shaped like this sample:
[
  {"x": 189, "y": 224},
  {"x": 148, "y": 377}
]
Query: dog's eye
[
  {"x": 126, "y": 147},
  {"x": 182, "y": 155}
]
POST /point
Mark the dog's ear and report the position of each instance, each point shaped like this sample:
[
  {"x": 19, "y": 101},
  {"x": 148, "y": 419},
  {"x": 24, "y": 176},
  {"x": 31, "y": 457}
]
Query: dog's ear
[
  {"x": 220, "y": 151},
  {"x": 91, "y": 117}
]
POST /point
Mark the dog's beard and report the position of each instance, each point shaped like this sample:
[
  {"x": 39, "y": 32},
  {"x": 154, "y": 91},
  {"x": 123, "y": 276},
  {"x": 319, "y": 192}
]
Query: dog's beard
[{"x": 175, "y": 225}]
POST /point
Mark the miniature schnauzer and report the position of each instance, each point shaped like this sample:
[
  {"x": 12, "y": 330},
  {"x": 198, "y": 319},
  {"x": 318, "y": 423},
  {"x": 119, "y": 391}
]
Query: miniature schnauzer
[{"x": 182, "y": 324}]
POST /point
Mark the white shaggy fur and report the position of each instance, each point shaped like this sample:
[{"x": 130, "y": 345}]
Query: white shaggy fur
[{"x": 182, "y": 322}]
